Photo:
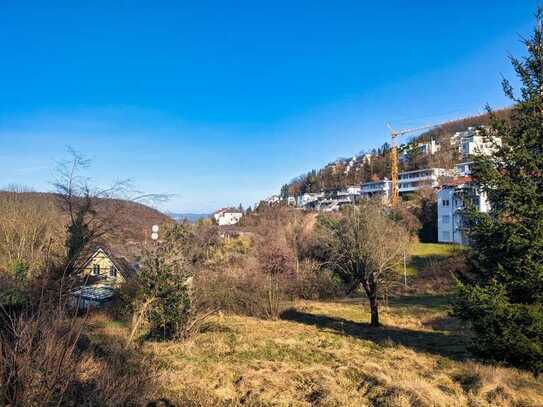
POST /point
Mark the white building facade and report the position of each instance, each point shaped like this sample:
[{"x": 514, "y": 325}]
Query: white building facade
[
  {"x": 226, "y": 217},
  {"x": 450, "y": 206},
  {"x": 472, "y": 142},
  {"x": 381, "y": 188},
  {"x": 411, "y": 181}
]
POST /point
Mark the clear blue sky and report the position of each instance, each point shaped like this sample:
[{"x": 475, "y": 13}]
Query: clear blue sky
[{"x": 222, "y": 102}]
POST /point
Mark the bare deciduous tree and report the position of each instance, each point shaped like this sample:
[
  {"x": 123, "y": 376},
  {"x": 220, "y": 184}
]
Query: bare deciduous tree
[
  {"x": 92, "y": 212},
  {"x": 366, "y": 246}
]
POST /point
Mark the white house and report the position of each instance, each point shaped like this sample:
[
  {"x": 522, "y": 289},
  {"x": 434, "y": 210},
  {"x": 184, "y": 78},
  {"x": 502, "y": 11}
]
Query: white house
[
  {"x": 273, "y": 200},
  {"x": 308, "y": 199},
  {"x": 333, "y": 205},
  {"x": 354, "y": 190},
  {"x": 450, "y": 205},
  {"x": 226, "y": 217},
  {"x": 472, "y": 142},
  {"x": 291, "y": 201}
]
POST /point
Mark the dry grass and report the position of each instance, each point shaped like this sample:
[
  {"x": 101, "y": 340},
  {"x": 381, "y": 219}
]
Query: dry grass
[{"x": 324, "y": 354}]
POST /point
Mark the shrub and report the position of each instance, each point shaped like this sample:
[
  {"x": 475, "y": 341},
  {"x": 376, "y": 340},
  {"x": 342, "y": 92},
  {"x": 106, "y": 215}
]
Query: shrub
[
  {"x": 238, "y": 291},
  {"x": 165, "y": 297},
  {"x": 46, "y": 360},
  {"x": 314, "y": 282},
  {"x": 276, "y": 262}
]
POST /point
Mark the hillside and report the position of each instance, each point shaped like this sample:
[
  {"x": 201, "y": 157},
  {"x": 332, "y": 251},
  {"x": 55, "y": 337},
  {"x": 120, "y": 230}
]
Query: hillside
[
  {"x": 375, "y": 164},
  {"x": 132, "y": 221},
  {"x": 190, "y": 217}
]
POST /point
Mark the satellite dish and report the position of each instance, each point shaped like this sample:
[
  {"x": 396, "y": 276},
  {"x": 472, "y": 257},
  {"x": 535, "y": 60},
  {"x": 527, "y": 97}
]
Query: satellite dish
[
  {"x": 154, "y": 236},
  {"x": 154, "y": 228}
]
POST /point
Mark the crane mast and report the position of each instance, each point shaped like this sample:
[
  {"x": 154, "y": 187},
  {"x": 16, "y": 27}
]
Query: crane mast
[{"x": 395, "y": 192}]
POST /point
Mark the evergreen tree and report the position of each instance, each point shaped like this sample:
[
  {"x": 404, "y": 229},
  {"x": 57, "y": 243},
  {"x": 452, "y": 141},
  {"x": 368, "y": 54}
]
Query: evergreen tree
[{"x": 502, "y": 295}]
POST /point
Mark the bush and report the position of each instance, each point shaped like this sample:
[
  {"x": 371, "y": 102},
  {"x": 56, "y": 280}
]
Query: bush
[
  {"x": 45, "y": 359},
  {"x": 236, "y": 291},
  {"x": 314, "y": 282},
  {"x": 164, "y": 298}
]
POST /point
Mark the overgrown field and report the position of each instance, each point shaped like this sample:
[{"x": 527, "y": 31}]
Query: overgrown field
[{"x": 324, "y": 354}]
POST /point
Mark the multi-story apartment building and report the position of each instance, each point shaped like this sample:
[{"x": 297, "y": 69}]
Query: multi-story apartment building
[
  {"x": 472, "y": 142},
  {"x": 309, "y": 200},
  {"x": 451, "y": 201},
  {"x": 411, "y": 181},
  {"x": 379, "y": 188}
]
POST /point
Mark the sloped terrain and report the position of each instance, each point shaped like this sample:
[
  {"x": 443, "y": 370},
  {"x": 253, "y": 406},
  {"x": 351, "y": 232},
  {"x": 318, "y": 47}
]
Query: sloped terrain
[{"x": 325, "y": 354}]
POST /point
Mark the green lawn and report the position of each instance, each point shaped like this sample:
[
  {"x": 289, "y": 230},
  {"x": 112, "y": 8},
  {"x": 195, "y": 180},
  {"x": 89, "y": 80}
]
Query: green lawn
[{"x": 424, "y": 253}]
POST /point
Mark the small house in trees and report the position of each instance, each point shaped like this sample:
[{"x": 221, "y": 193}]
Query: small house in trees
[
  {"x": 102, "y": 267},
  {"x": 101, "y": 272}
]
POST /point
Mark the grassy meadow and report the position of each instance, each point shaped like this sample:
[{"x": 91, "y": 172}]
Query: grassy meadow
[{"x": 324, "y": 354}]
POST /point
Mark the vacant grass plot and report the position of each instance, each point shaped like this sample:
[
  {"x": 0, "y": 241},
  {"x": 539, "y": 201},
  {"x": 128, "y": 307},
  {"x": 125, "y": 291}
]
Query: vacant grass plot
[
  {"x": 324, "y": 354},
  {"x": 425, "y": 254}
]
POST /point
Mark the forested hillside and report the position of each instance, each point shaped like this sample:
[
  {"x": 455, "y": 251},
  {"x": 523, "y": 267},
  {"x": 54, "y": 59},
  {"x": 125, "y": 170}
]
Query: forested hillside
[
  {"x": 34, "y": 212},
  {"x": 375, "y": 164}
]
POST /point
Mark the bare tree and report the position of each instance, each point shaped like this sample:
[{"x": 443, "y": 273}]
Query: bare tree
[
  {"x": 366, "y": 247},
  {"x": 92, "y": 212}
]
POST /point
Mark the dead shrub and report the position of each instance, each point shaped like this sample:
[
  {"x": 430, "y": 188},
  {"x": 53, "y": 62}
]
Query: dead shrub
[
  {"x": 236, "y": 291},
  {"x": 46, "y": 360},
  {"x": 314, "y": 282}
]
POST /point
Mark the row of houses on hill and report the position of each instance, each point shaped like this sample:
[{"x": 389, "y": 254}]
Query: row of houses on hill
[{"x": 453, "y": 187}]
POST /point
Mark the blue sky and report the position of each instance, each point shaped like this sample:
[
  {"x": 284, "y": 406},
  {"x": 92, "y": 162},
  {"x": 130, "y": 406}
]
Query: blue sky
[{"x": 222, "y": 102}]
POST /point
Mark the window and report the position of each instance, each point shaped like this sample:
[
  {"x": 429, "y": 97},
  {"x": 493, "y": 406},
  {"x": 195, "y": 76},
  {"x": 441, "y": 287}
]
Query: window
[
  {"x": 95, "y": 269},
  {"x": 446, "y": 218},
  {"x": 112, "y": 272},
  {"x": 445, "y": 202},
  {"x": 446, "y": 235}
]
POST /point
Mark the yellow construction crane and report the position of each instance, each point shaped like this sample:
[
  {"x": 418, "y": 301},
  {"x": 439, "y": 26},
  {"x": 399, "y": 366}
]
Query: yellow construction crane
[{"x": 395, "y": 193}]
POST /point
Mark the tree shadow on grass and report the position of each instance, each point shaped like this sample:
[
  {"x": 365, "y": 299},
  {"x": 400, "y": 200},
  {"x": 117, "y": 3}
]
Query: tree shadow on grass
[{"x": 449, "y": 345}]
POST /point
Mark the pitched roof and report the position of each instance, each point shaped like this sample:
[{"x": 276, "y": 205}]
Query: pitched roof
[{"x": 120, "y": 263}]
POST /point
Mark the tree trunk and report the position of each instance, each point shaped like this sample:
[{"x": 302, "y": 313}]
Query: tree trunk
[
  {"x": 371, "y": 293},
  {"x": 374, "y": 311}
]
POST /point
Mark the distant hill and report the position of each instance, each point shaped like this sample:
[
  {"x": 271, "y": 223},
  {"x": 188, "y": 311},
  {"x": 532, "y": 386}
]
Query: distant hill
[
  {"x": 191, "y": 217},
  {"x": 132, "y": 220}
]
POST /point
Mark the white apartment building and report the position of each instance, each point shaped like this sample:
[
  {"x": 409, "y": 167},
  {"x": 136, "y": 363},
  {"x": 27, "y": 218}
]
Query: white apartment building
[
  {"x": 226, "y": 217},
  {"x": 472, "y": 142},
  {"x": 411, "y": 181},
  {"x": 450, "y": 205},
  {"x": 381, "y": 188},
  {"x": 309, "y": 198},
  {"x": 429, "y": 148}
]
